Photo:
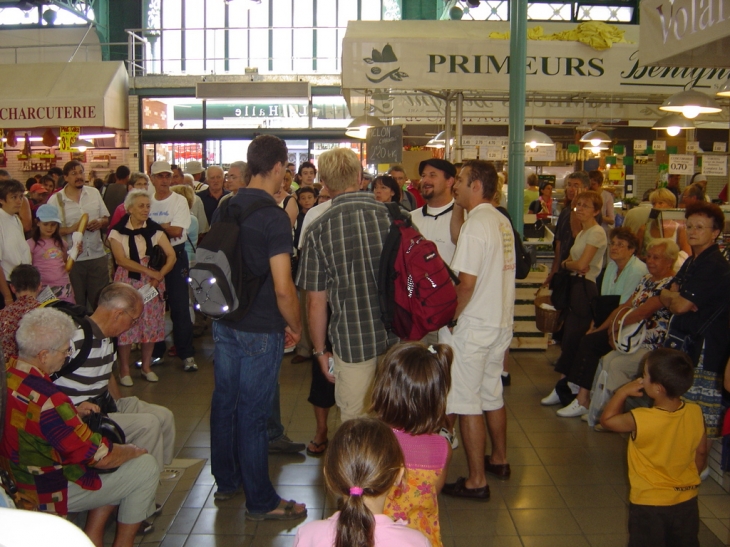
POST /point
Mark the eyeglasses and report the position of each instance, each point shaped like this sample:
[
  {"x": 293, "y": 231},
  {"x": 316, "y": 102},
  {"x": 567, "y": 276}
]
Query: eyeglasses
[
  {"x": 620, "y": 244},
  {"x": 135, "y": 320},
  {"x": 76, "y": 172},
  {"x": 68, "y": 352}
]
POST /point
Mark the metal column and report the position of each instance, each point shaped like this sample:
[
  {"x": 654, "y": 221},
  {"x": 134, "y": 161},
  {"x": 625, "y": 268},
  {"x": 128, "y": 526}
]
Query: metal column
[{"x": 517, "y": 94}]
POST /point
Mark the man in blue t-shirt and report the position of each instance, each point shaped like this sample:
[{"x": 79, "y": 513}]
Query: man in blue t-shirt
[{"x": 248, "y": 352}]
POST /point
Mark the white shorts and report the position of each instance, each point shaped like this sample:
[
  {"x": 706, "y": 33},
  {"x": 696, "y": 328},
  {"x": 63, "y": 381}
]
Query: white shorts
[{"x": 476, "y": 383}]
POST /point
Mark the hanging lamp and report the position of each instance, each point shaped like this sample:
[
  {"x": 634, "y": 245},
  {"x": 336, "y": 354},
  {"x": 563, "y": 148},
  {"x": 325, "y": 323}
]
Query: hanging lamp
[{"x": 691, "y": 104}]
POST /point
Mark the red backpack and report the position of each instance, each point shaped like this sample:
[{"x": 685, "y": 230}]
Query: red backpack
[{"x": 415, "y": 286}]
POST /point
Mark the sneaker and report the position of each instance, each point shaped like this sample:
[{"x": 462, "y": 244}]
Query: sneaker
[
  {"x": 506, "y": 379},
  {"x": 551, "y": 399},
  {"x": 573, "y": 410},
  {"x": 284, "y": 445},
  {"x": 451, "y": 437},
  {"x": 189, "y": 364}
]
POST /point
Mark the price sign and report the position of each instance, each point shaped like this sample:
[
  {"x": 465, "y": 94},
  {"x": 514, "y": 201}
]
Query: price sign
[
  {"x": 494, "y": 154},
  {"x": 719, "y": 147},
  {"x": 68, "y": 137},
  {"x": 659, "y": 145},
  {"x": 2, "y": 144},
  {"x": 640, "y": 145},
  {"x": 714, "y": 165},
  {"x": 681, "y": 164},
  {"x": 693, "y": 146},
  {"x": 385, "y": 144}
]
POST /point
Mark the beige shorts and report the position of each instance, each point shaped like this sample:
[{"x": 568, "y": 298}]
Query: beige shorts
[
  {"x": 353, "y": 386},
  {"x": 476, "y": 383}
]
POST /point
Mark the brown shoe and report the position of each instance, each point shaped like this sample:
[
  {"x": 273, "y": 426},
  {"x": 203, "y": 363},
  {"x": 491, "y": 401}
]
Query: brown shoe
[
  {"x": 300, "y": 359},
  {"x": 501, "y": 471},
  {"x": 458, "y": 489}
]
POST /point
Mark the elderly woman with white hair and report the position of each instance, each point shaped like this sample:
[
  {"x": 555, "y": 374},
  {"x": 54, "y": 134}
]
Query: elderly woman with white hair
[
  {"x": 134, "y": 240},
  {"x": 53, "y": 455}
]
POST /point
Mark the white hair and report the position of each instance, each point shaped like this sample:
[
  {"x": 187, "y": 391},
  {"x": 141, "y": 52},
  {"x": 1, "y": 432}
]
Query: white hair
[
  {"x": 43, "y": 329},
  {"x": 133, "y": 195},
  {"x": 671, "y": 249},
  {"x": 188, "y": 179}
]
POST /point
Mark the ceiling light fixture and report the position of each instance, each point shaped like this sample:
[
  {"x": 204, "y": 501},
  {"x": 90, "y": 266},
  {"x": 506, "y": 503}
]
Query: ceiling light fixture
[
  {"x": 536, "y": 139},
  {"x": 724, "y": 91},
  {"x": 596, "y": 138},
  {"x": 673, "y": 123},
  {"x": 691, "y": 104}
]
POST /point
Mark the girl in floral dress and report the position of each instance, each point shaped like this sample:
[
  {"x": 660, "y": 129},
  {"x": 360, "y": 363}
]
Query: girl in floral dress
[
  {"x": 410, "y": 396},
  {"x": 48, "y": 250}
]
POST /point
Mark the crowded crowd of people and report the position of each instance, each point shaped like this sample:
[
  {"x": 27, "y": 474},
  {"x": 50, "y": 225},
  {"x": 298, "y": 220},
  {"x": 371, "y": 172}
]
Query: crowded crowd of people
[{"x": 80, "y": 291}]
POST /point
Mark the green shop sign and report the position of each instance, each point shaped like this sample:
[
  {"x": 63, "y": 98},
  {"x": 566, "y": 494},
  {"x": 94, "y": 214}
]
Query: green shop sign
[{"x": 234, "y": 110}]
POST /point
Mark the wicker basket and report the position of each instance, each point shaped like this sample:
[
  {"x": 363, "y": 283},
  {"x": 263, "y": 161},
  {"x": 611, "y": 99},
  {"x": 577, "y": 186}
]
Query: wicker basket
[{"x": 547, "y": 321}]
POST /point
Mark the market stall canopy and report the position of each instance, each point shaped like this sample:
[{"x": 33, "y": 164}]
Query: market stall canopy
[
  {"x": 57, "y": 94},
  {"x": 685, "y": 33}
]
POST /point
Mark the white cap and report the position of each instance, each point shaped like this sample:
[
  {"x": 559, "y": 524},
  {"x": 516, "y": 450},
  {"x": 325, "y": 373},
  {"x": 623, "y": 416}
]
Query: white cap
[
  {"x": 160, "y": 167},
  {"x": 194, "y": 167}
]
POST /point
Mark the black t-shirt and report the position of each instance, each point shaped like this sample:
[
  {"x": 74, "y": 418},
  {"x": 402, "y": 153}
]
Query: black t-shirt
[
  {"x": 264, "y": 234},
  {"x": 564, "y": 234},
  {"x": 210, "y": 204},
  {"x": 705, "y": 281}
]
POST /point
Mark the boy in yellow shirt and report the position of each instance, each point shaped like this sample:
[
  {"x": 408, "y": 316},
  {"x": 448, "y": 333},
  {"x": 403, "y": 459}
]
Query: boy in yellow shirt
[{"x": 666, "y": 452}]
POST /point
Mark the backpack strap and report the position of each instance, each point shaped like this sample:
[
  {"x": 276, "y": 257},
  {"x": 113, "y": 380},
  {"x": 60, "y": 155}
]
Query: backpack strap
[
  {"x": 396, "y": 213},
  {"x": 88, "y": 342}
]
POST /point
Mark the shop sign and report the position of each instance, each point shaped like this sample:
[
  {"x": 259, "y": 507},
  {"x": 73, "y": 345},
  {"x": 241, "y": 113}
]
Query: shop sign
[
  {"x": 68, "y": 135},
  {"x": 640, "y": 145},
  {"x": 462, "y": 59},
  {"x": 543, "y": 153},
  {"x": 240, "y": 110},
  {"x": 659, "y": 145},
  {"x": 681, "y": 164},
  {"x": 714, "y": 165},
  {"x": 719, "y": 147},
  {"x": 385, "y": 144},
  {"x": 51, "y": 115}
]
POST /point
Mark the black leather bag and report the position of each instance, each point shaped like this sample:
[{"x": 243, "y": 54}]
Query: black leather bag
[
  {"x": 109, "y": 429},
  {"x": 105, "y": 402},
  {"x": 560, "y": 285},
  {"x": 158, "y": 258},
  {"x": 602, "y": 306}
]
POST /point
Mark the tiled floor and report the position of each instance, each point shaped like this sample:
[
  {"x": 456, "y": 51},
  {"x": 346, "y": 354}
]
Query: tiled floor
[{"x": 568, "y": 487}]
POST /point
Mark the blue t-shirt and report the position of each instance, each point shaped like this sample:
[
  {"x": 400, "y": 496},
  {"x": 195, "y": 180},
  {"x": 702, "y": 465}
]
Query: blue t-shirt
[{"x": 264, "y": 234}]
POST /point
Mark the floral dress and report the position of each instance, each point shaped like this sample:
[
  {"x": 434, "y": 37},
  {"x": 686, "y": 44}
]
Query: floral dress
[
  {"x": 415, "y": 499},
  {"x": 151, "y": 325},
  {"x": 656, "y": 325}
]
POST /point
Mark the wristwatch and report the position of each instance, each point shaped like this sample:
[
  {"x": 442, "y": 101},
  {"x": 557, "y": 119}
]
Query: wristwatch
[{"x": 319, "y": 353}]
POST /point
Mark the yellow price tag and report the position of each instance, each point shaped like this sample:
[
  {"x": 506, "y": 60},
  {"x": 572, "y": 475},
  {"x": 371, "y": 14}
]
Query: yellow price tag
[
  {"x": 68, "y": 135},
  {"x": 2, "y": 144}
]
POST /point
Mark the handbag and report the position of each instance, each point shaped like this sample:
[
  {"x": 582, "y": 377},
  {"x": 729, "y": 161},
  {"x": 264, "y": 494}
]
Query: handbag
[
  {"x": 627, "y": 340},
  {"x": 158, "y": 258},
  {"x": 105, "y": 402},
  {"x": 560, "y": 285},
  {"x": 602, "y": 306},
  {"x": 108, "y": 429},
  {"x": 691, "y": 344}
]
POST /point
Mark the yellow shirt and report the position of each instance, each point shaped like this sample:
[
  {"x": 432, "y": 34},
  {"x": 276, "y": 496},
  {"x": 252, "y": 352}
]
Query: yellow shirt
[{"x": 661, "y": 454}]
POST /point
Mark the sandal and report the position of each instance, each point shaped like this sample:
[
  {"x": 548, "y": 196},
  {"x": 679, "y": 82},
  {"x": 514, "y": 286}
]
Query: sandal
[
  {"x": 287, "y": 506},
  {"x": 319, "y": 448}
]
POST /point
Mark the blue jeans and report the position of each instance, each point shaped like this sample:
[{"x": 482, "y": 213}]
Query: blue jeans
[
  {"x": 274, "y": 427},
  {"x": 246, "y": 373},
  {"x": 176, "y": 282}
]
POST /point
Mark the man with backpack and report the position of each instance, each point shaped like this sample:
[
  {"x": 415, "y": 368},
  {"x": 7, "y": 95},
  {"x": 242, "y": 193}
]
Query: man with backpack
[
  {"x": 249, "y": 348},
  {"x": 339, "y": 264},
  {"x": 482, "y": 329}
]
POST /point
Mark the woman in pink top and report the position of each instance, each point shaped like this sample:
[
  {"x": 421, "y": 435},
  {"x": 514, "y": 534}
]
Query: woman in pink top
[
  {"x": 363, "y": 463},
  {"x": 410, "y": 396}
]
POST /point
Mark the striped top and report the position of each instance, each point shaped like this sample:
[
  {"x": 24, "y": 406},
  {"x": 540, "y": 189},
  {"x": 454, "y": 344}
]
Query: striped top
[{"x": 91, "y": 378}]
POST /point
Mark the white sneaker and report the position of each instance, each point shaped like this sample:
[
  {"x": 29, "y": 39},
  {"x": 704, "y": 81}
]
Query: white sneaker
[
  {"x": 573, "y": 410},
  {"x": 189, "y": 364},
  {"x": 551, "y": 399},
  {"x": 126, "y": 381},
  {"x": 451, "y": 437}
]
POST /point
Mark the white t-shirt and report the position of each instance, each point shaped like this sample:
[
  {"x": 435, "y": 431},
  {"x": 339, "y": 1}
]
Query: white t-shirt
[
  {"x": 173, "y": 210},
  {"x": 313, "y": 214},
  {"x": 435, "y": 226},
  {"x": 486, "y": 249},
  {"x": 592, "y": 236},
  {"x": 13, "y": 248},
  {"x": 90, "y": 203}
]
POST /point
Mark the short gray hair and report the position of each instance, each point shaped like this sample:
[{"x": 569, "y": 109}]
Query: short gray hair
[
  {"x": 671, "y": 249},
  {"x": 189, "y": 179},
  {"x": 119, "y": 296},
  {"x": 132, "y": 196},
  {"x": 43, "y": 329},
  {"x": 207, "y": 171},
  {"x": 581, "y": 176},
  {"x": 136, "y": 176}
]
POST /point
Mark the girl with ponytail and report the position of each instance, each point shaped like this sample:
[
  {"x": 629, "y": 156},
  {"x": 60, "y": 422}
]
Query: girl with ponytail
[
  {"x": 409, "y": 395},
  {"x": 363, "y": 463}
]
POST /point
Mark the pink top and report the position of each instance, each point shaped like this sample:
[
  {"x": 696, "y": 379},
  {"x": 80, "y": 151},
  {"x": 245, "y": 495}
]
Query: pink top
[
  {"x": 119, "y": 212},
  {"x": 423, "y": 451},
  {"x": 321, "y": 533},
  {"x": 48, "y": 259}
]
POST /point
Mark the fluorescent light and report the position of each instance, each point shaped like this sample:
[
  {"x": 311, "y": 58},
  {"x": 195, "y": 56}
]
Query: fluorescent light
[{"x": 98, "y": 136}]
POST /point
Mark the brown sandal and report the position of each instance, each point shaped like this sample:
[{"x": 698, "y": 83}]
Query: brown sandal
[
  {"x": 318, "y": 446},
  {"x": 288, "y": 514}
]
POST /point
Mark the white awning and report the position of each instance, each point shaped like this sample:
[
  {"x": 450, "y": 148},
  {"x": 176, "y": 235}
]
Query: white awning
[
  {"x": 57, "y": 94},
  {"x": 685, "y": 33}
]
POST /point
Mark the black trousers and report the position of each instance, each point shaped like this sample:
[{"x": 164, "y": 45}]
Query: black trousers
[
  {"x": 577, "y": 321},
  {"x": 590, "y": 350},
  {"x": 664, "y": 526}
]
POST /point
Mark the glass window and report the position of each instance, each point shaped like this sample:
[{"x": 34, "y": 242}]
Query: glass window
[
  {"x": 262, "y": 113},
  {"x": 238, "y": 37},
  {"x": 330, "y": 112},
  {"x": 371, "y": 11},
  {"x": 172, "y": 39},
  {"x": 303, "y": 36},
  {"x": 215, "y": 38},
  {"x": 172, "y": 113},
  {"x": 194, "y": 62},
  {"x": 549, "y": 12},
  {"x": 491, "y": 10},
  {"x": 281, "y": 38},
  {"x": 618, "y": 14}
]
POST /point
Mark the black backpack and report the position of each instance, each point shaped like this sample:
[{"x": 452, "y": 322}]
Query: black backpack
[
  {"x": 223, "y": 285},
  {"x": 80, "y": 317}
]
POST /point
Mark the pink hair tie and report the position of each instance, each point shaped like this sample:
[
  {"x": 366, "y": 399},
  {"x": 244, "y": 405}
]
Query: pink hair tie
[{"x": 355, "y": 491}]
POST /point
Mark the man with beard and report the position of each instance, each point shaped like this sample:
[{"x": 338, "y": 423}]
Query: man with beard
[{"x": 90, "y": 272}]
